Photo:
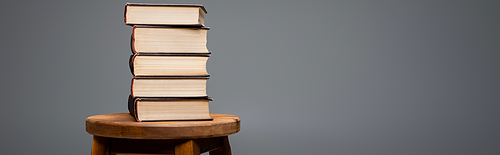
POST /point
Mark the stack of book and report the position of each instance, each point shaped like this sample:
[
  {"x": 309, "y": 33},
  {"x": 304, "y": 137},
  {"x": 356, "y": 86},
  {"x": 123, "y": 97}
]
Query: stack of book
[{"x": 169, "y": 59}]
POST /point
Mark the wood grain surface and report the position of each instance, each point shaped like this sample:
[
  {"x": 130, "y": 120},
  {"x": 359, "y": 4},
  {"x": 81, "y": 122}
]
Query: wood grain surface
[{"x": 123, "y": 125}]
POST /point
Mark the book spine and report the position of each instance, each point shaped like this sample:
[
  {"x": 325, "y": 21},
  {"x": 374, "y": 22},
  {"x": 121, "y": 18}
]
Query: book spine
[
  {"x": 131, "y": 63},
  {"x": 125, "y": 13},
  {"x": 132, "y": 107},
  {"x": 132, "y": 41}
]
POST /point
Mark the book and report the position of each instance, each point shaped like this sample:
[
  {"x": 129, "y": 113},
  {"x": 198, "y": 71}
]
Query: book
[
  {"x": 177, "y": 86},
  {"x": 169, "y": 65},
  {"x": 165, "y": 14},
  {"x": 162, "y": 39},
  {"x": 169, "y": 109}
]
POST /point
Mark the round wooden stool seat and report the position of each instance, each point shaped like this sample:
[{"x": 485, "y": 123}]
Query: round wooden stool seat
[
  {"x": 123, "y": 125},
  {"x": 121, "y": 134}
]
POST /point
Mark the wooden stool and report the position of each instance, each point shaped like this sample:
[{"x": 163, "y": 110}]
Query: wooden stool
[{"x": 120, "y": 133}]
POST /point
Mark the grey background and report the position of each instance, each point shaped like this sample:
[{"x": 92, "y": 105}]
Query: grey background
[{"x": 305, "y": 77}]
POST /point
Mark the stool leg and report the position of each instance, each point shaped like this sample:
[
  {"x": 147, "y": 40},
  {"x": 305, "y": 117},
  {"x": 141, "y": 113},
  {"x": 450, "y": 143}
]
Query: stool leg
[
  {"x": 187, "y": 148},
  {"x": 225, "y": 149},
  {"x": 100, "y": 146}
]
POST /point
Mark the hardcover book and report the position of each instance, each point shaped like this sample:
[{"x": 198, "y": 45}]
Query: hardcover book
[
  {"x": 169, "y": 109},
  {"x": 161, "y": 39},
  {"x": 165, "y": 14},
  {"x": 169, "y": 65},
  {"x": 185, "y": 86}
]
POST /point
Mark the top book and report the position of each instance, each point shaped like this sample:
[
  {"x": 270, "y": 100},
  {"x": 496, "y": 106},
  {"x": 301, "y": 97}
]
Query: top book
[{"x": 165, "y": 14}]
